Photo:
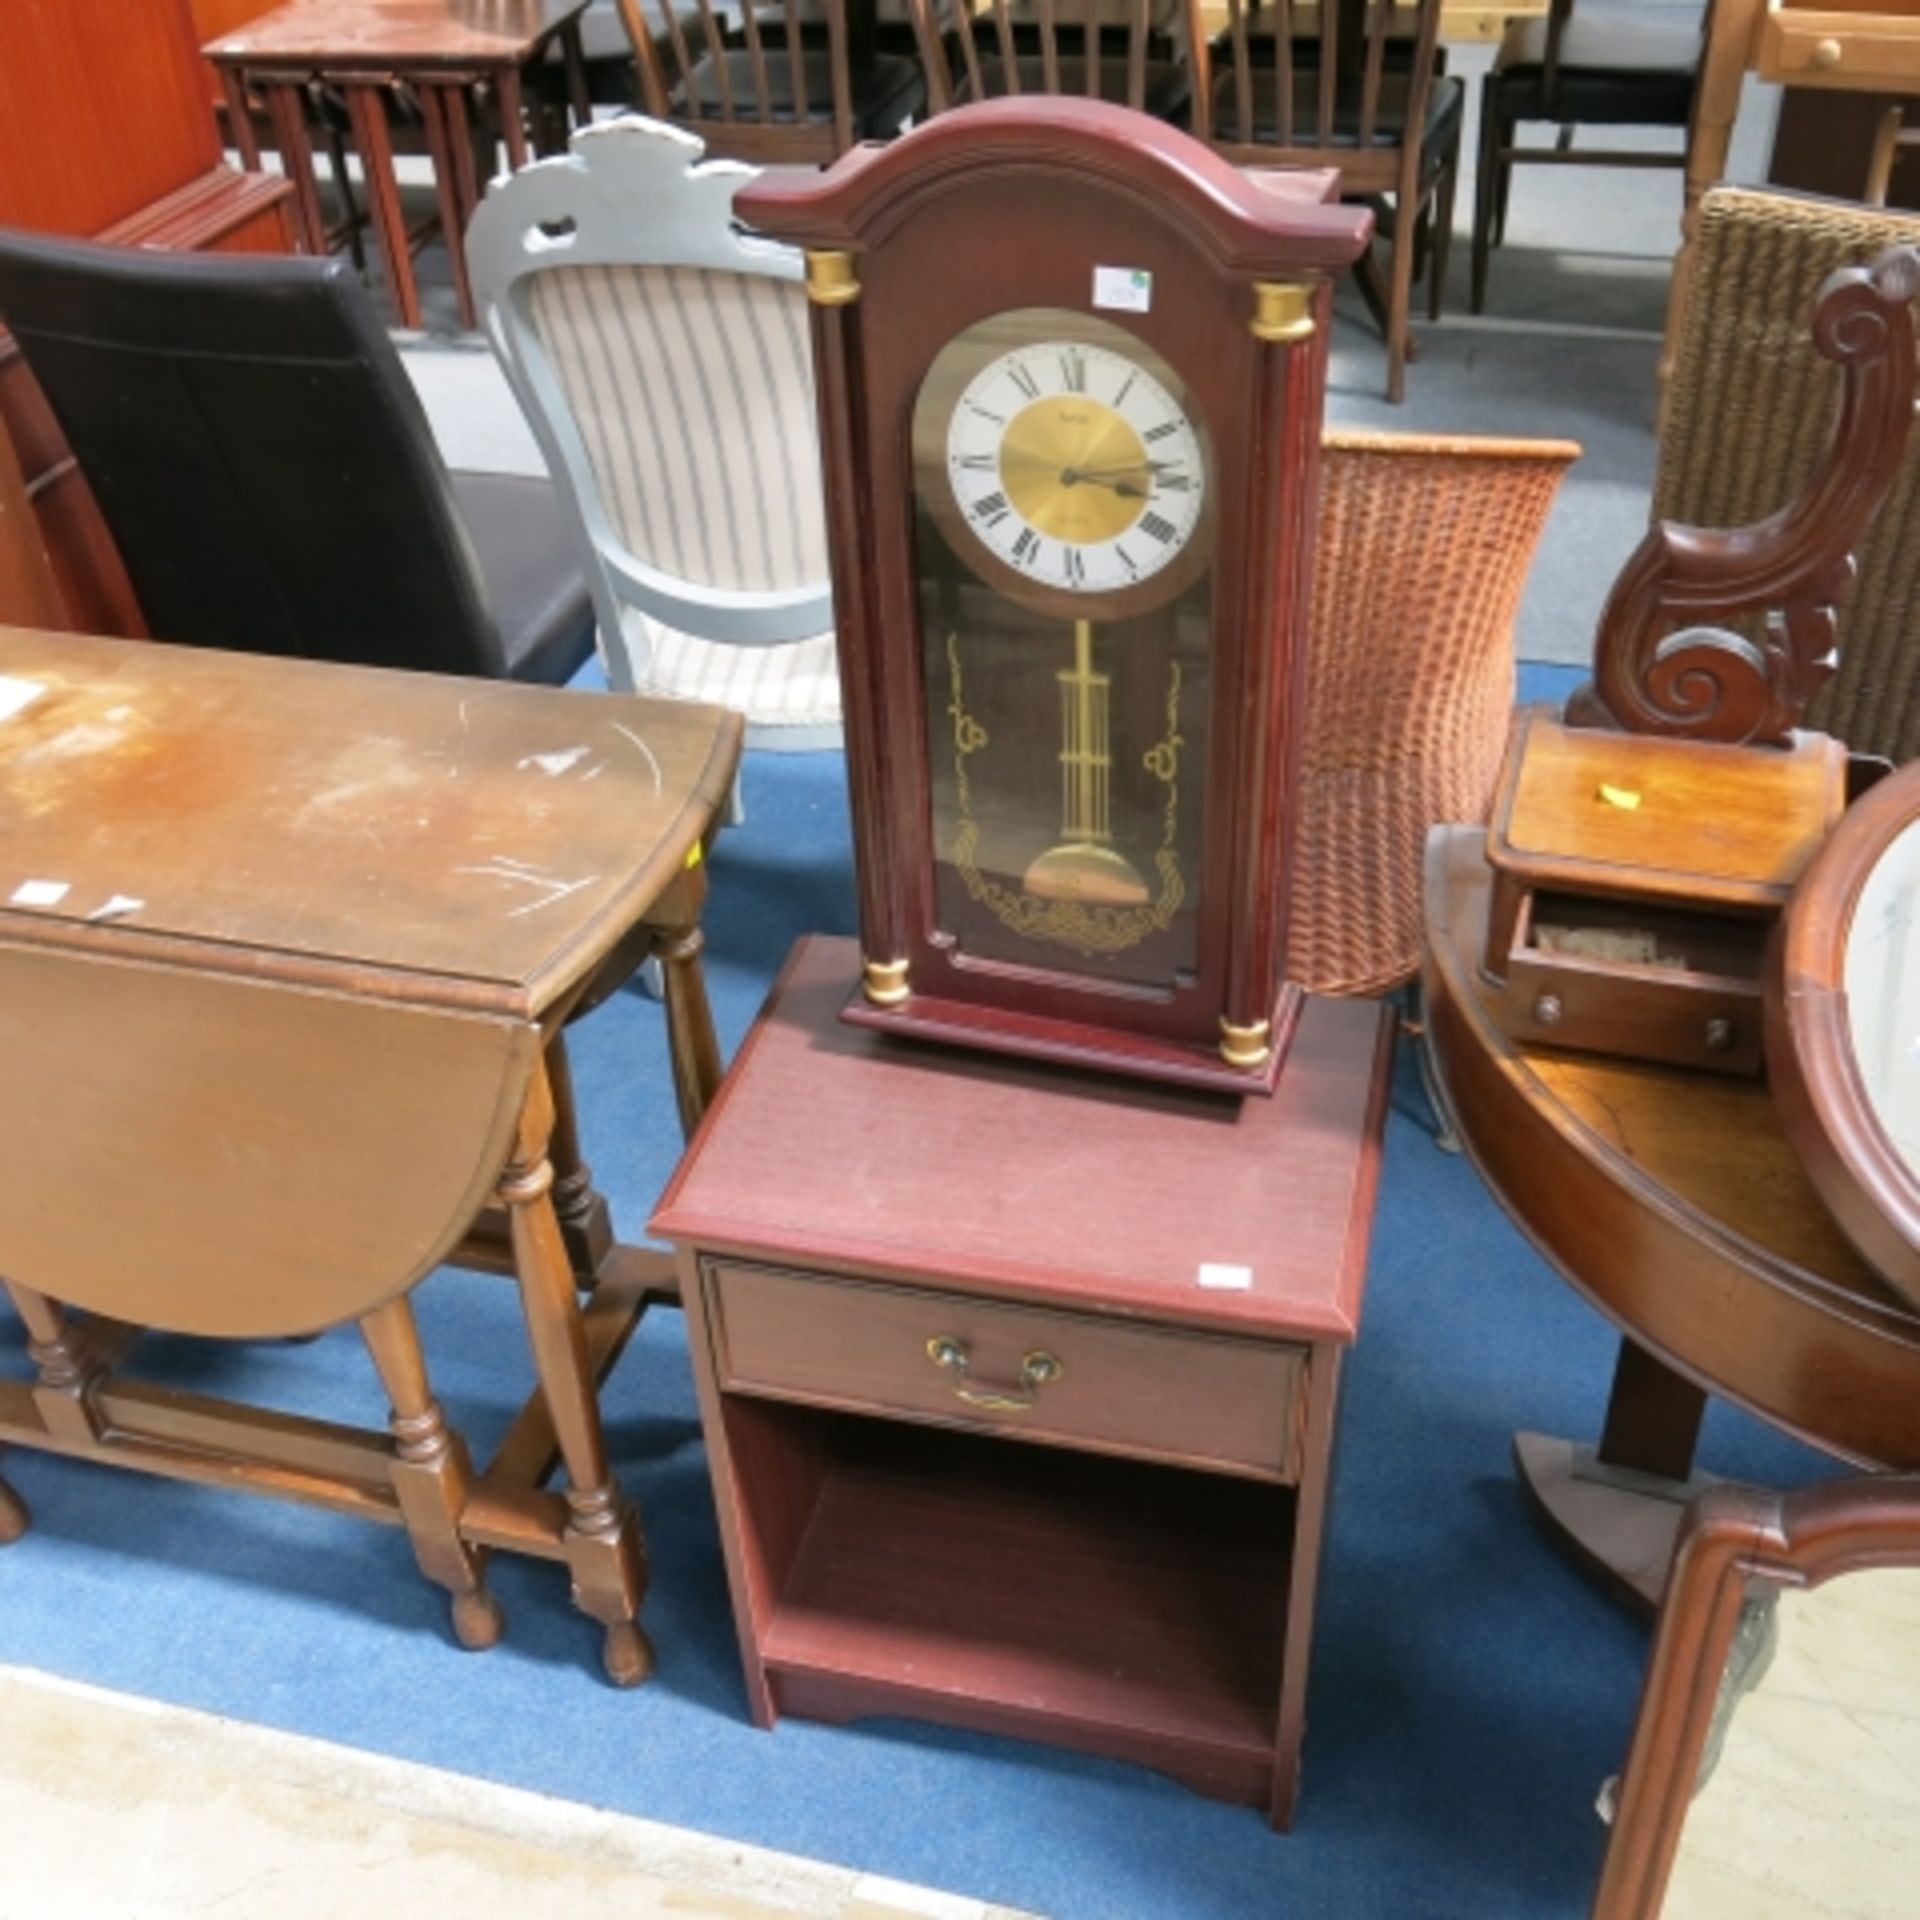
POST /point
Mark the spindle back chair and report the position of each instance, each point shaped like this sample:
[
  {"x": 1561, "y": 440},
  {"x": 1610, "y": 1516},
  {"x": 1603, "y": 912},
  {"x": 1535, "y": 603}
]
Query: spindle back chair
[
  {"x": 1320, "y": 90},
  {"x": 773, "y": 84}
]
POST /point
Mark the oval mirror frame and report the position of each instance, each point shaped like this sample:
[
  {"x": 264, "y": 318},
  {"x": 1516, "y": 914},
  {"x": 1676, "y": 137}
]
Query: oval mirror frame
[{"x": 1819, "y": 1091}]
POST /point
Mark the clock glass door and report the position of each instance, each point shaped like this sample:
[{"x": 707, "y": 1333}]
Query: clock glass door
[{"x": 1063, "y": 526}]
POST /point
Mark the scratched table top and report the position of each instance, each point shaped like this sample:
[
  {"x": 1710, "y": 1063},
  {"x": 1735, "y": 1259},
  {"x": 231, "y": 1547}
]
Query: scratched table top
[{"x": 408, "y": 835}]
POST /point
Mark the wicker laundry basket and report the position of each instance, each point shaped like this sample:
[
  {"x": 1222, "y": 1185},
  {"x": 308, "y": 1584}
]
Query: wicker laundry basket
[
  {"x": 1423, "y": 549},
  {"x": 1747, "y": 415}
]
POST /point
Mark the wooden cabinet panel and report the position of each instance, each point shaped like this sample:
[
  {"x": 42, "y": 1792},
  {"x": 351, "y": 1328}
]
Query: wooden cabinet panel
[
  {"x": 107, "y": 131},
  {"x": 103, "y": 108}
]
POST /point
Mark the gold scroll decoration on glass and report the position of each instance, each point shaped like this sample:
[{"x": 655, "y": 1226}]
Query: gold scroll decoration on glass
[{"x": 1081, "y": 892}]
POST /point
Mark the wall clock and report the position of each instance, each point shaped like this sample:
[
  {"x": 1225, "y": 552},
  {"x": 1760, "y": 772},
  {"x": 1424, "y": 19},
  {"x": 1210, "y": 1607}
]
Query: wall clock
[{"x": 1070, "y": 369}]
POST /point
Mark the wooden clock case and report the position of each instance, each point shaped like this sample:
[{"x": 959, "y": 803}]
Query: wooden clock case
[{"x": 1007, "y": 206}]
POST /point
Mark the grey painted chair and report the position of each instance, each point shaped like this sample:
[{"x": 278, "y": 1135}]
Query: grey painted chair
[{"x": 663, "y": 361}]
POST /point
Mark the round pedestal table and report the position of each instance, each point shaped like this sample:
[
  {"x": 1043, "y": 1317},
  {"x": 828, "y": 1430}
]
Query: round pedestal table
[{"x": 1673, "y": 1202}]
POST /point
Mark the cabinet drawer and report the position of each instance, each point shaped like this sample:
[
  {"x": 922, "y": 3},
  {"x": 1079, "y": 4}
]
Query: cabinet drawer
[
  {"x": 1840, "y": 47},
  {"x": 1109, "y": 1385}
]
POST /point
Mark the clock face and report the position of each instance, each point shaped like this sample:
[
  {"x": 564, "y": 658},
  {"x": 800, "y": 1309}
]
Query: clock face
[{"x": 1074, "y": 466}]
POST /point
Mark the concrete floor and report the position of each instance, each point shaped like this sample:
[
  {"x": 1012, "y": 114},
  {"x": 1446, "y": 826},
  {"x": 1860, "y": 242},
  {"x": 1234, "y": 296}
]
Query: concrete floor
[{"x": 115, "y": 1808}]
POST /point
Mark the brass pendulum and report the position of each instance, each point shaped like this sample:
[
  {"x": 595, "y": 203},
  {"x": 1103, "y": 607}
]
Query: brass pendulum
[{"x": 1085, "y": 866}]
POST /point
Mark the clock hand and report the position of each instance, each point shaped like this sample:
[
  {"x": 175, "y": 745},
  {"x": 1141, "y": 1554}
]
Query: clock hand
[
  {"x": 1129, "y": 466},
  {"x": 1114, "y": 483}
]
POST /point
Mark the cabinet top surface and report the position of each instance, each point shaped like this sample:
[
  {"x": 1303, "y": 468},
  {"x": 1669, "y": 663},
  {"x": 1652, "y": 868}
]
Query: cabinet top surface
[
  {"x": 833, "y": 1145},
  {"x": 463, "y": 841},
  {"x": 345, "y": 33}
]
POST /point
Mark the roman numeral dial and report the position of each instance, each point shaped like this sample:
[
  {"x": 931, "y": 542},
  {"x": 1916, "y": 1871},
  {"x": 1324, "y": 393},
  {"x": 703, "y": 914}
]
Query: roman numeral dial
[{"x": 1074, "y": 465}]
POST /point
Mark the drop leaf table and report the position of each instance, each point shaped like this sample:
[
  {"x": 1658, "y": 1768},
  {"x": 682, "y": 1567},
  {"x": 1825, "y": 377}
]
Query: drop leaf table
[{"x": 286, "y": 949}]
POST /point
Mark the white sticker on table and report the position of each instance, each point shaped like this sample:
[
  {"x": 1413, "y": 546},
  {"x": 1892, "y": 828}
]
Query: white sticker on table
[{"x": 39, "y": 893}]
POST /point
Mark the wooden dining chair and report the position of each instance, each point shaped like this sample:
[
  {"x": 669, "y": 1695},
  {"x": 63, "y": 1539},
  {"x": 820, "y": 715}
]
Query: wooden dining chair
[
  {"x": 662, "y": 359},
  {"x": 1118, "y": 50},
  {"x": 1604, "y": 66},
  {"x": 777, "y": 86},
  {"x": 1341, "y": 86}
]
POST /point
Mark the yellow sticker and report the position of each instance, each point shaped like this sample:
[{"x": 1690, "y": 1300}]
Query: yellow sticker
[
  {"x": 695, "y": 854},
  {"x": 1619, "y": 796}
]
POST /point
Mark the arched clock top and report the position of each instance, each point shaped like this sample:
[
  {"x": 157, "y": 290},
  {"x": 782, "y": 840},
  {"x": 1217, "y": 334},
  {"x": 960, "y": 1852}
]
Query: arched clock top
[{"x": 1249, "y": 228}]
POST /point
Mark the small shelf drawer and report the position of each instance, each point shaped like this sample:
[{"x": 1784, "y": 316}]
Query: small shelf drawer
[{"x": 1111, "y": 1386}]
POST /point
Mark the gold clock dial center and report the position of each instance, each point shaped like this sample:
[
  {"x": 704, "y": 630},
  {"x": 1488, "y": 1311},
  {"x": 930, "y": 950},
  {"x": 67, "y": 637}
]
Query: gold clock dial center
[{"x": 1075, "y": 469}]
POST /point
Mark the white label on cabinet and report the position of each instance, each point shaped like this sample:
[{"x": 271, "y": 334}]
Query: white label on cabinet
[
  {"x": 39, "y": 893},
  {"x": 1123, "y": 289},
  {"x": 1224, "y": 1278}
]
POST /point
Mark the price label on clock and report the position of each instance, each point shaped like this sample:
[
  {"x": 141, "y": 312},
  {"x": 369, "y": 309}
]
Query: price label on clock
[{"x": 1123, "y": 289}]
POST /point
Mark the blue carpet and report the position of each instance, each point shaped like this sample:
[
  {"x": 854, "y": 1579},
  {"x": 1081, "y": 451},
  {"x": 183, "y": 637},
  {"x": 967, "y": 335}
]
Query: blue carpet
[{"x": 1470, "y": 1689}]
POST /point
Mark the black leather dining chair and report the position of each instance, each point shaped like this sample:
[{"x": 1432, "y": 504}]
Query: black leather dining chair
[{"x": 268, "y": 474}]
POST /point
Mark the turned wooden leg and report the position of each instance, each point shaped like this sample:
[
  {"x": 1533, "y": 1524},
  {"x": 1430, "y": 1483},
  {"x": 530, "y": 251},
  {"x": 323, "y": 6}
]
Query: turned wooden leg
[
  {"x": 690, "y": 1036},
  {"x": 432, "y": 1473},
  {"x": 67, "y": 1370},
  {"x": 602, "y": 1539},
  {"x": 580, "y": 1205},
  {"x": 14, "y": 1517}
]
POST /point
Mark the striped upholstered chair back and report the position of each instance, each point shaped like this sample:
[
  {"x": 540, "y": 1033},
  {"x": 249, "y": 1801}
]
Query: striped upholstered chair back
[{"x": 663, "y": 361}]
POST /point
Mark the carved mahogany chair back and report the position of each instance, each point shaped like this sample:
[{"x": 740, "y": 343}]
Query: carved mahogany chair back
[
  {"x": 1762, "y": 257},
  {"x": 1345, "y": 85},
  {"x": 1114, "y": 50},
  {"x": 1727, "y": 632},
  {"x": 775, "y": 84}
]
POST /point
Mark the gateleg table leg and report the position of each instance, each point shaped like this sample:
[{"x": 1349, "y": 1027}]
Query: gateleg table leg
[
  {"x": 580, "y": 1205},
  {"x": 602, "y": 1539},
  {"x": 63, "y": 1394},
  {"x": 14, "y": 1518},
  {"x": 691, "y": 1042},
  {"x": 432, "y": 1473}
]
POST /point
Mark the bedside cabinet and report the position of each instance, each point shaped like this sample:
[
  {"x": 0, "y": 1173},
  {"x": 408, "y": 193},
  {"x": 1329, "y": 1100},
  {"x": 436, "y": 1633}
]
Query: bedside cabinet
[{"x": 1018, "y": 1383}]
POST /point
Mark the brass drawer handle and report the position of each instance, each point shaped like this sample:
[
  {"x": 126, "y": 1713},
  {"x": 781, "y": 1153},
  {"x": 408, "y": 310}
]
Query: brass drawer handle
[{"x": 1039, "y": 1367}]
